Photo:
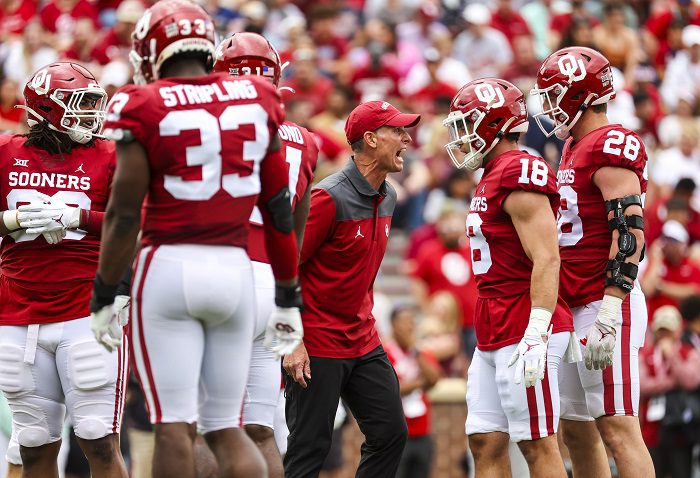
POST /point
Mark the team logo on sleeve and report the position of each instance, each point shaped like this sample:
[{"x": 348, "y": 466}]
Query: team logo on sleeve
[
  {"x": 490, "y": 96},
  {"x": 24, "y": 163},
  {"x": 574, "y": 69}
]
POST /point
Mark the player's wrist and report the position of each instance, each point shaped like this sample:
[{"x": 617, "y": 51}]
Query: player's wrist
[
  {"x": 540, "y": 319},
  {"x": 609, "y": 312},
  {"x": 11, "y": 220},
  {"x": 102, "y": 294},
  {"x": 288, "y": 296}
]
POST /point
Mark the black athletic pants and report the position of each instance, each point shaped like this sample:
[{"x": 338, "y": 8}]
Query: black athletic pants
[{"x": 369, "y": 387}]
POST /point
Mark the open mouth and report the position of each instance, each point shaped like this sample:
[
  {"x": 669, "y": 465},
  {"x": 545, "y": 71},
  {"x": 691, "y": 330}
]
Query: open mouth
[{"x": 399, "y": 153}]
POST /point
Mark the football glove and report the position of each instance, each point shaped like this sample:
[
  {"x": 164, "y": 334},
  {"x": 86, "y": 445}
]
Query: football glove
[
  {"x": 600, "y": 340},
  {"x": 284, "y": 331},
  {"x": 530, "y": 356},
  {"x": 48, "y": 215},
  {"x": 108, "y": 322}
]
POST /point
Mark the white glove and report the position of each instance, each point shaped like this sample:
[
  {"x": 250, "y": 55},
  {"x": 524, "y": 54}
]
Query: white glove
[
  {"x": 107, "y": 323},
  {"x": 600, "y": 340},
  {"x": 47, "y": 214},
  {"x": 284, "y": 331},
  {"x": 530, "y": 356}
]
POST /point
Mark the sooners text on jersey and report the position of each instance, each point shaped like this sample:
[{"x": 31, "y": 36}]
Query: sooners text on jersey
[
  {"x": 205, "y": 138},
  {"x": 39, "y": 282},
  {"x": 499, "y": 262},
  {"x": 301, "y": 153},
  {"x": 584, "y": 237}
]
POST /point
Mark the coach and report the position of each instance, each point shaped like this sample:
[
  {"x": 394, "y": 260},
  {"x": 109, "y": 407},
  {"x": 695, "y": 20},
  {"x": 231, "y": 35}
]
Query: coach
[{"x": 346, "y": 235}]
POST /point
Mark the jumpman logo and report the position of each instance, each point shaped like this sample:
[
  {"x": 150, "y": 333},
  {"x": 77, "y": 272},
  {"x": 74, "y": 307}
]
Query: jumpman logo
[
  {"x": 359, "y": 233},
  {"x": 80, "y": 169},
  {"x": 530, "y": 347}
]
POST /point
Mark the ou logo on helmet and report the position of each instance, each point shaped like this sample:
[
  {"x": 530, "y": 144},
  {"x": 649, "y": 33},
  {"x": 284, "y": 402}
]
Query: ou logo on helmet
[
  {"x": 492, "y": 97},
  {"x": 143, "y": 25},
  {"x": 572, "y": 68},
  {"x": 41, "y": 81}
]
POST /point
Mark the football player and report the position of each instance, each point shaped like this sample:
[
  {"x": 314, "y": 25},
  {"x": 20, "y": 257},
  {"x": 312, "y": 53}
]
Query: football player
[
  {"x": 601, "y": 181},
  {"x": 203, "y": 148},
  {"x": 54, "y": 184},
  {"x": 523, "y": 328},
  {"x": 251, "y": 54}
]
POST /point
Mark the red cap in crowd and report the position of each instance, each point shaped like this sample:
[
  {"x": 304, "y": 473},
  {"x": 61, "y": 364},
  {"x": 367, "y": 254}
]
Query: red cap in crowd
[{"x": 373, "y": 115}]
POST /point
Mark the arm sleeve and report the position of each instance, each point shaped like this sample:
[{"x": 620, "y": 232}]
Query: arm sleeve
[{"x": 320, "y": 223}]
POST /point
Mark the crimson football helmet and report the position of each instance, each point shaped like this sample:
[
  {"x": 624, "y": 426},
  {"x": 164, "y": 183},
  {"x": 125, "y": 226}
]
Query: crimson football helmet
[
  {"x": 569, "y": 81},
  {"x": 67, "y": 98},
  {"x": 167, "y": 28},
  {"x": 248, "y": 53},
  {"x": 482, "y": 112}
]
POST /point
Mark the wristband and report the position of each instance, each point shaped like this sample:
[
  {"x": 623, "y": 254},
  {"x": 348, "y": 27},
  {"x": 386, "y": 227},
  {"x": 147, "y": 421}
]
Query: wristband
[
  {"x": 539, "y": 320},
  {"x": 10, "y": 219},
  {"x": 288, "y": 297},
  {"x": 609, "y": 312},
  {"x": 102, "y": 294}
]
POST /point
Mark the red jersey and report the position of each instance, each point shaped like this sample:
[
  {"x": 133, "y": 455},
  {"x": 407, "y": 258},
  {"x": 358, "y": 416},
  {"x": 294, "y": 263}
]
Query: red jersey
[
  {"x": 42, "y": 283},
  {"x": 206, "y": 139},
  {"x": 685, "y": 273},
  {"x": 584, "y": 237},
  {"x": 301, "y": 154},
  {"x": 499, "y": 262}
]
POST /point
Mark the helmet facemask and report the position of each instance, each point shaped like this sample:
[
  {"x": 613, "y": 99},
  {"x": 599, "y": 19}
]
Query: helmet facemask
[
  {"x": 462, "y": 129},
  {"x": 551, "y": 109},
  {"x": 84, "y": 112}
]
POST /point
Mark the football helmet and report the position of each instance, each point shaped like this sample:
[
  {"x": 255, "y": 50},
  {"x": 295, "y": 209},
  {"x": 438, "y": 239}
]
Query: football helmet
[
  {"x": 568, "y": 82},
  {"x": 67, "y": 98},
  {"x": 248, "y": 53},
  {"x": 168, "y": 28},
  {"x": 482, "y": 112}
]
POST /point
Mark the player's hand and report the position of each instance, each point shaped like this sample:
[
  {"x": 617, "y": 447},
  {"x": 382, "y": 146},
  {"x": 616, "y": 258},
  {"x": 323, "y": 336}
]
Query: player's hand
[
  {"x": 47, "y": 214},
  {"x": 107, "y": 323},
  {"x": 54, "y": 237},
  {"x": 600, "y": 340},
  {"x": 284, "y": 331},
  {"x": 298, "y": 365},
  {"x": 530, "y": 358},
  {"x": 600, "y": 346}
]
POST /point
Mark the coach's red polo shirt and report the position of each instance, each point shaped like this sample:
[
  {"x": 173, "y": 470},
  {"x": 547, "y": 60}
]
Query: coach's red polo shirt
[{"x": 344, "y": 243}]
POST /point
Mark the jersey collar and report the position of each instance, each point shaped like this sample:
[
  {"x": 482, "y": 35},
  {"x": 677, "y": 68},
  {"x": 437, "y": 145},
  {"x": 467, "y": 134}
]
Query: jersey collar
[{"x": 360, "y": 183}]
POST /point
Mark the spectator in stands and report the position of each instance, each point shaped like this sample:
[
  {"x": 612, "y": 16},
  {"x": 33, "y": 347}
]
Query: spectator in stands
[
  {"x": 59, "y": 16},
  {"x": 379, "y": 79},
  {"x": 677, "y": 162},
  {"x": 330, "y": 47},
  {"x": 440, "y": 334},
  {"x": 115, "y": 43},
  {"x": 438, "y": 76},
  {"x": 331, "y": 121},
  {"x": 508, "y": 21},
  {"x": 562, "y": 22},
  {"x": 671, "y": 124},
  {"x": 422, "y": 30},
  {"x": 306, "y": 81},
  {"x": 678, "y": 207},
  {"x": 281, "y": 14},
  {"x": 618, "y": 42},
  {"x": 538, "y": 15},
  {"x": 670, "y": 275},
  {"x": 444, "y": 264},
  {"x": 579, "y": 33},
  {"x": 484, "y": 50},
  {"x": 662, "y": 21},
  {"x": 83, "y": 47},
  {"x": 418, "y": 371},
  {"x": 28, "y": 54},
  {"x": 669, "y": 378},
  {"x": 11, "y": 118},
  {"x": 683, "y": 71},
  {"x": 14, "y": 16},
  {"x": 523, "y": 71}
]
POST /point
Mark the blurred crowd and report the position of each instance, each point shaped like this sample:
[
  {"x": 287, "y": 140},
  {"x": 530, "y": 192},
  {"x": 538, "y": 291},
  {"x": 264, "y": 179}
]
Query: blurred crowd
[{"x": 417, "y": 54}]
